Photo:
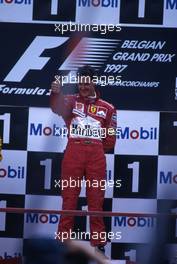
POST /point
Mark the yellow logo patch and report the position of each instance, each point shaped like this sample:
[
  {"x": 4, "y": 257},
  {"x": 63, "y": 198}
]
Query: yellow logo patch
[{"x": 93, "y": 109}]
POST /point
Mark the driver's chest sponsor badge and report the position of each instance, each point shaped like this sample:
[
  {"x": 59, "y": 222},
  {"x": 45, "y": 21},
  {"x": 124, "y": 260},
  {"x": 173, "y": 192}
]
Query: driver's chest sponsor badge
[
  {"x": 79, "y": 109},
  {"x": 93, "y": 109},
  {"x": 98, "y": 111}
]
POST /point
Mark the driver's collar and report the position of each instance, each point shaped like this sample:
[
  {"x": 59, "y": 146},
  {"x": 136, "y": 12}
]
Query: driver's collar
[{"x": 93, "y": 96}]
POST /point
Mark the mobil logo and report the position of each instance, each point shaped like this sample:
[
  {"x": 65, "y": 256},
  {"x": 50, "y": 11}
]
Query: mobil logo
[
  {"x": 12, "y": 172},
  {"x": 35, "y": 218},
  {"x": 124, "y": 221},
  {"x": 168, "y": 177},
  {"x": 141, "y": 133},
  {"x": 25, "y": 2},
  {"x": 171, "y": 4},
  {"x": 42, "y": 130},
  {"x": 98, "y": 3}
]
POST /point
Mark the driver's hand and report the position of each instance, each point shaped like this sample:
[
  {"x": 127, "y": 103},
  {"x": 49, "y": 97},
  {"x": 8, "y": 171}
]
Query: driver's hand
[{"x": 55, "y": 85}]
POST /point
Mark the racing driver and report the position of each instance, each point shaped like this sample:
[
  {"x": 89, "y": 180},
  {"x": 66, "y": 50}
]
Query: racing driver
[{"x": 84, "y": 154}]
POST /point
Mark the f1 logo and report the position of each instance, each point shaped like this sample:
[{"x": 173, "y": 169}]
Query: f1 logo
[
  {"x": 54, "y": 10},
  {"x": 32, "y": 59},
  {"x": 141, "y": 12}
]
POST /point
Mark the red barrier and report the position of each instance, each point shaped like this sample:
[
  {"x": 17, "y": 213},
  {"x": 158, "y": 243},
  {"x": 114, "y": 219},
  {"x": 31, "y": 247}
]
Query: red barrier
[
  {"x": 11, "y": 261},
  {"x": 19, "y": 261},
  {"x": 82, "y": 213}
]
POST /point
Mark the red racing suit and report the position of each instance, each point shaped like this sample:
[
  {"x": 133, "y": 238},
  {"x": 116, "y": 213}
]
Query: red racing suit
[{"x": 84, "y": 154}]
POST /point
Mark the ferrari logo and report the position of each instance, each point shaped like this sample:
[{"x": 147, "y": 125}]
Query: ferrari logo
[{"x": 93, "y": 109}]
